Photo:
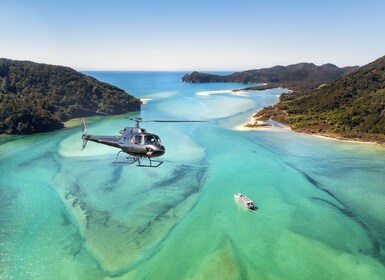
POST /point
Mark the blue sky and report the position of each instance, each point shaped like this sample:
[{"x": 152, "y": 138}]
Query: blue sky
[{"x": 192, "y": 35}]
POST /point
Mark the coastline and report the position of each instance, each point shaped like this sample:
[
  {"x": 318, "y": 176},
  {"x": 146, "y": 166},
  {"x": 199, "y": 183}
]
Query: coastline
[
  {"x": 329, "y": 137},
  {"x": 256, "y": 124}
]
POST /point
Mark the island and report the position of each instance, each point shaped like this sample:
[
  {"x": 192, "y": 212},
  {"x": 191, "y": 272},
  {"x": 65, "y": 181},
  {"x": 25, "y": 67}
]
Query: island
[
  {"x": 302, "y": 74},
  {"x": 36, "y": 97},
  {"x": 344, "y": 103}
]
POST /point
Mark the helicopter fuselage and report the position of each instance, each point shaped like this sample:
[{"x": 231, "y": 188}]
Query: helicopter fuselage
[{"x": 134, "y": 141}]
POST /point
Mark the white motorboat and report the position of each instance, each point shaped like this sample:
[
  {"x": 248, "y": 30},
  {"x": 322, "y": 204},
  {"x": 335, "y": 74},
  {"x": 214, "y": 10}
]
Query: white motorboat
[{"x": 245, "y": 201}]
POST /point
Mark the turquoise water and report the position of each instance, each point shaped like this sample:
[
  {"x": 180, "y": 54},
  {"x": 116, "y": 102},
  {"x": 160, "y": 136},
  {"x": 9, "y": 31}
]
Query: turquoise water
[{"x": 71, "y": 214}]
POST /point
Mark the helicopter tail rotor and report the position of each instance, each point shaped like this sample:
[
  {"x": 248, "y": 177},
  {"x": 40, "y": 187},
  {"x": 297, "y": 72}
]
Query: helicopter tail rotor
[
  {"x": 84, "y": 134},
  {"x": 84, "y": 144}
]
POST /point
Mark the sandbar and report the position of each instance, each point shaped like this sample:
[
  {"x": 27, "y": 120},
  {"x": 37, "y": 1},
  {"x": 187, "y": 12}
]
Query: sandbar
[{"x": 255, "y": 123}]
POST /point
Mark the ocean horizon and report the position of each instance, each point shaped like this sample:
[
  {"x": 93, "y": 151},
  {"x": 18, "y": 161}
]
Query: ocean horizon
[{"x": 71, "y": 214}]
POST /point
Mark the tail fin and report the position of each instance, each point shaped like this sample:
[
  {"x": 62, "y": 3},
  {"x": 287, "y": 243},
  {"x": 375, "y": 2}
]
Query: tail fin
[{"x": 84, "y": 134}]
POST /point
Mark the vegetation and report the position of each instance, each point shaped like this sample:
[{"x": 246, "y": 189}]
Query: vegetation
[
  {"x": 351, "y": 107},
  {"x": 347, "y": 103},
  {"x": 39, "y": 97}
]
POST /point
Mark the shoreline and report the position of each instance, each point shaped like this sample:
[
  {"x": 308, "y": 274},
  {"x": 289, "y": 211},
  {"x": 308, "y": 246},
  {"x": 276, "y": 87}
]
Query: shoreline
[
  {"x": 329, "y": 137},
  {"x": 253, "y": 124}
]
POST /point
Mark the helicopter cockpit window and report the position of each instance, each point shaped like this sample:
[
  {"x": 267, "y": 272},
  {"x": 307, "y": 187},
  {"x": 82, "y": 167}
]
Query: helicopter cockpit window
[
  {"x": 136, "y": 139},
  {"x": 157, "y": 139},
  {"x": 150, "y": 140}
]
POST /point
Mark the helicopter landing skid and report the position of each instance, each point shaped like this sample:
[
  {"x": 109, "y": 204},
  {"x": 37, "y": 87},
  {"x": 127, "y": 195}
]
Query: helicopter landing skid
[{"x": 133, "y": 159}]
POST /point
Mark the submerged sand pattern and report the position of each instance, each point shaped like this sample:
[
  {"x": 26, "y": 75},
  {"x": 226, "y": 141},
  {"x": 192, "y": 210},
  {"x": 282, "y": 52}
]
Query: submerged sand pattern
[{"x": 67, "y": 214}]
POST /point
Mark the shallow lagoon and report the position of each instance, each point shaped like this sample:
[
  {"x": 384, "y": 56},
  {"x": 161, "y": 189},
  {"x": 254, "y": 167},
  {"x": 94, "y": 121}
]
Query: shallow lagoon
[{"x": 71, "y": 214}]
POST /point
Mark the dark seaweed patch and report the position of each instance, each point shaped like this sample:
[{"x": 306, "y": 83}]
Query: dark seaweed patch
[
  {"x": 376, "y": 245},
  {"x": 112, "y": 183}
]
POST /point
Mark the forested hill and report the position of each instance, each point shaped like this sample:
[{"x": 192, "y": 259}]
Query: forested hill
[
  {"x": 303, "y": 74},
  {"x": 38, "y": 97},
  {"x": 351, "y": 107}
]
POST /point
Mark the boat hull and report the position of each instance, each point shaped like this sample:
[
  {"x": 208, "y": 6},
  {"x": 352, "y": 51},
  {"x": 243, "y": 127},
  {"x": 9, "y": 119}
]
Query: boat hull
[{"x": 245, "y": 201}]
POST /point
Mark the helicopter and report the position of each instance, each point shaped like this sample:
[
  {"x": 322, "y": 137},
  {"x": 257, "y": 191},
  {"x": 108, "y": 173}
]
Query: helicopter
[{"x": 136, "y": 142}]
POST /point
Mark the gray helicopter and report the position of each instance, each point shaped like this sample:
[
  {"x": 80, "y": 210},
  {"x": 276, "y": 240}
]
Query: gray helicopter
[{"x": 136, "y": 142}]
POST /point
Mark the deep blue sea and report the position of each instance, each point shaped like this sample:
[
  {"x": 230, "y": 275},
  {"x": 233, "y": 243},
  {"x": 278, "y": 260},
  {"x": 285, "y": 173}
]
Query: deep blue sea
[{"x": 71, "y": 214}]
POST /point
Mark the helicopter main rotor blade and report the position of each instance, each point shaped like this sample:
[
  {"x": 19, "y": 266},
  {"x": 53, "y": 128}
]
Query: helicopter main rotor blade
[
  {"x": 172, "y": 121},
  {"x": 139, "y": 120}
]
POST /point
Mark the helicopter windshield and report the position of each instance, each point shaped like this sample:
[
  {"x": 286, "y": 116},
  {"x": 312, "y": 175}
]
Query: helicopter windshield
[{"x": 151, "y": 139}]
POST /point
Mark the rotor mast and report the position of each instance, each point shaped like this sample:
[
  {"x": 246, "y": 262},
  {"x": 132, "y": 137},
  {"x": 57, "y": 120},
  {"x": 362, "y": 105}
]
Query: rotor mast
[{"x": 137, "y": 121}]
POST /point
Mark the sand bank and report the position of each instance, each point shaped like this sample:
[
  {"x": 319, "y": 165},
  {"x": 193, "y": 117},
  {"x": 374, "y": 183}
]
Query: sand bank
[{"x": 255, "y": 123}]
